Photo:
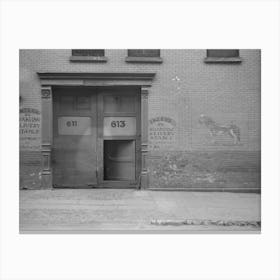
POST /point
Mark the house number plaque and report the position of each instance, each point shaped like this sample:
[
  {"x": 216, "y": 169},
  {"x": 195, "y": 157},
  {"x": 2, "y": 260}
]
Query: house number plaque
[
  {"x": 74, "y": 126},
  {"x": 119, "y": 126}
]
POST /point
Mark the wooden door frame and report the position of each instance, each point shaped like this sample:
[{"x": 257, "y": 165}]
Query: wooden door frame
[{"x": 51, "y": 79}]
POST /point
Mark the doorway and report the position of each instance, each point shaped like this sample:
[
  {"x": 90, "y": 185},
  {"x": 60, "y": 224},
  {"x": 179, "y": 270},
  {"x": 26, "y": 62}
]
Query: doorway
[
  {"x": 96, "y": 137},
  {"x": 119, "y": 160}
]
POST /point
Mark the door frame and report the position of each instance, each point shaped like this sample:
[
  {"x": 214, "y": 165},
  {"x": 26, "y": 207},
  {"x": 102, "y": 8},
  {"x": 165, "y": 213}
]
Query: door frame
[{"x": 48, "y": 80}]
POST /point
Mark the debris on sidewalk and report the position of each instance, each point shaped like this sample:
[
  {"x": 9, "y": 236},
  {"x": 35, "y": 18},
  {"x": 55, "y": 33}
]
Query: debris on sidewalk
[{"x": 205, "y": 222}]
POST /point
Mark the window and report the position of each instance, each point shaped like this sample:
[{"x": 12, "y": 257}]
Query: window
[
  {"x": 143, "y": 55},
  {"x": 93, "y": 52},
  {"x": 88, "y": 55},
  {"x": 222, "y": 55}
]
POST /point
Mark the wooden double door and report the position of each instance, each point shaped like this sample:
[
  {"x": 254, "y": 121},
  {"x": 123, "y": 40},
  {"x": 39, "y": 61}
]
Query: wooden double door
[{"x": 96, "y": 137}]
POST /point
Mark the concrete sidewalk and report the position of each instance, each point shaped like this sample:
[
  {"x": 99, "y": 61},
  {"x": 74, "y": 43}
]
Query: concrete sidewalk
[{"x": 108, "y": 209}]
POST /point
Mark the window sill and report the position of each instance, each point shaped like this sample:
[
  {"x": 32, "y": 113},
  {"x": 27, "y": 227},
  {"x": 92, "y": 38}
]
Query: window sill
[
  {"x": 134, "y": 59},
  {"x": 222, "y": 60},
  {"x": 88, "y": 58}
]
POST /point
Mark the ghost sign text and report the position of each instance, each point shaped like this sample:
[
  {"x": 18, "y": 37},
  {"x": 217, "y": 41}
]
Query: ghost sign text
[
  {"x": 29, "y": 128},
  {"x": 161, "y": 132}
]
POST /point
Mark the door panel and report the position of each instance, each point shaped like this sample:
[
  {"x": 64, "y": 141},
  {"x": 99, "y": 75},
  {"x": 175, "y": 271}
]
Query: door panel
[
  {"x": 119, "y": 103},
  {"x": 119, "y": 137},
  {"x": 75, "y": 124}
]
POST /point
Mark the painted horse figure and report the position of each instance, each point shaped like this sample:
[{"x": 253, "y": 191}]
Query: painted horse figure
[{"x": 216, "y": 129}]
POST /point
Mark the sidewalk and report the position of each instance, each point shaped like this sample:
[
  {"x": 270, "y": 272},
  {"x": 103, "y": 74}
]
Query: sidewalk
[{"x": 111, "y": 209}]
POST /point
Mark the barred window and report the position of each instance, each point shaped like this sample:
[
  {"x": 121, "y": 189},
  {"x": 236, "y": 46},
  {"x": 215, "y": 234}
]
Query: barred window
[
  {"x": 143, "y": 53},
  {"x": 90, "y": 52},
  {"x": 222, "y": 53}
]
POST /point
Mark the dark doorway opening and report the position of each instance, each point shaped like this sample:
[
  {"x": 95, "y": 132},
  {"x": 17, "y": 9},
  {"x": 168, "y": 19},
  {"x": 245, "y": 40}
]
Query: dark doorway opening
[{"x": 119, "y": 160}]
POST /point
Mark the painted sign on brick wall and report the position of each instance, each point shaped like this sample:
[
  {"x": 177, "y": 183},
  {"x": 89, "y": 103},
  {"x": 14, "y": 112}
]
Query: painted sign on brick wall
[
  {"x": 29, "y": 129},
  {"x": 225, "y": 133},
  {"x": 162, "y": 132}
]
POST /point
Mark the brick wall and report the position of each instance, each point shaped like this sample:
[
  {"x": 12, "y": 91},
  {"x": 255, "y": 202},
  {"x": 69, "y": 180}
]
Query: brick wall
[
  {"x": 212, "y": 170},
  {"x": 184, "y": 88}
]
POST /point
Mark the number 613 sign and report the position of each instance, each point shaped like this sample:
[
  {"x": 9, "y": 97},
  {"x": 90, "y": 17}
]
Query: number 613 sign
[
  {"x": 118, "y": 123},
  {"x": 119, "y": 126}
]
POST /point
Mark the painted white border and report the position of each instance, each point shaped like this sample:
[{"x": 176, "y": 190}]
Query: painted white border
[{"x": 164, "y": 24}]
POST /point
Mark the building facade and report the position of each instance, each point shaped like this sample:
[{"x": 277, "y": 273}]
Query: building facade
[{"x": 150, "y": 119}]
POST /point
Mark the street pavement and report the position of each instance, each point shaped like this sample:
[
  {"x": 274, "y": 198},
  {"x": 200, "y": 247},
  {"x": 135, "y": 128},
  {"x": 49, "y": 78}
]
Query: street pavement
[{"x": 119, "y": 210}]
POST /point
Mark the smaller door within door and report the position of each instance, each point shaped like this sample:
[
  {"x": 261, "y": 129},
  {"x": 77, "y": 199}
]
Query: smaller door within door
[{"x": 119, "y": 160}]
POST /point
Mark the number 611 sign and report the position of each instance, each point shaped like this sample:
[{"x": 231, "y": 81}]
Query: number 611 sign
[{"x": 119, "y": 126}]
